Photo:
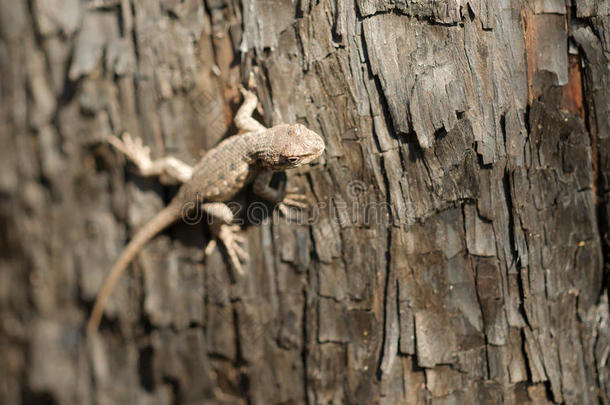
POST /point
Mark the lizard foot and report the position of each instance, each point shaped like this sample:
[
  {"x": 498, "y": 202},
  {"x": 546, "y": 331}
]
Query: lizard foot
[
  {"x": 292, "y": 198},
  {"x": 134, "y": 149},
  {"x": 233, "y": 242}
]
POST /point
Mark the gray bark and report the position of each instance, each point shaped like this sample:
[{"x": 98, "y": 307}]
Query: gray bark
[{"x": 460, "y": 215}]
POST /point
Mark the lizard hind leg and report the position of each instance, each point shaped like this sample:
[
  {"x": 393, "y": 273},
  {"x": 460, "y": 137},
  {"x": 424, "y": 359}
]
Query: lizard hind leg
[
  {"x": 223, "y": 229},
  {"x": 139, "y": 154},
  {"x": 233, "y": 242}
]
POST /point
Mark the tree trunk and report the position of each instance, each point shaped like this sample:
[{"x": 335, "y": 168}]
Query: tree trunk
[{"x": 454, "y": 250}]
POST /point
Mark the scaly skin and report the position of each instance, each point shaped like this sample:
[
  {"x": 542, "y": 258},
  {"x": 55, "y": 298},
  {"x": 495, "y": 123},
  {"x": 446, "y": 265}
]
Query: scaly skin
[{"x": 220, "y": 174}]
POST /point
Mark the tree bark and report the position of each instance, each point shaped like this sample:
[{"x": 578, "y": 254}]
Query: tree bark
[{"x": 456, "y": 245}]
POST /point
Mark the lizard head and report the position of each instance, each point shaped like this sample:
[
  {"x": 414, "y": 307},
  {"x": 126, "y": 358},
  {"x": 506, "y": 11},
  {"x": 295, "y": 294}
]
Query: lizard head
[{"x": 293, "y": 146}]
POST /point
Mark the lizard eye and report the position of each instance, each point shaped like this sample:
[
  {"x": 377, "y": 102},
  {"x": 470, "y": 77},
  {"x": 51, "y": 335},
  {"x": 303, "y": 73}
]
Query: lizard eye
[{"x": 292, "y": 159}]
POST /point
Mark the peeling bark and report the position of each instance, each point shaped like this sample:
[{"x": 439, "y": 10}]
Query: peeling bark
[{"x": 459, "y": 228}]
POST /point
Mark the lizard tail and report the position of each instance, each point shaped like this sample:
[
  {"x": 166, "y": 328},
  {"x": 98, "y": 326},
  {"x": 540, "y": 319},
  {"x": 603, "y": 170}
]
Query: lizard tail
[{"x": 164, "y": 218}]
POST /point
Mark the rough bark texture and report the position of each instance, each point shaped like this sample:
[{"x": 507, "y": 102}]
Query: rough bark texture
[{"x": 460, "y": 214}]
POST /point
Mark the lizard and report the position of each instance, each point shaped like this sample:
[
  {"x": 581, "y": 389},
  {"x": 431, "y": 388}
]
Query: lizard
[{"x": 249, "y": 157}]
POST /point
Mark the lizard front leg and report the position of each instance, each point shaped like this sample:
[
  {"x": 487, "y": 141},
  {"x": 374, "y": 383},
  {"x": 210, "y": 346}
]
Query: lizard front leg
[
  {"x": 243, "y": 118},
  {"x": 222, "y": 227},
  {"x": 140, "y": 156},
  {"x": 282, "y": 196}
]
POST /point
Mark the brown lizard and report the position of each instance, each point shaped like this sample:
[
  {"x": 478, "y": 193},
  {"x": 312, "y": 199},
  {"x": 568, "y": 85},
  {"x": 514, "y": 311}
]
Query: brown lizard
[{"x": 251, "y": 157}]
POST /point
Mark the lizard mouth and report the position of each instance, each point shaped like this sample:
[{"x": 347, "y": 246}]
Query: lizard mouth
[
  {"x": 318, "y": 147},
  {"x": 311, "y": 156}
]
